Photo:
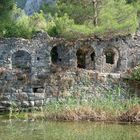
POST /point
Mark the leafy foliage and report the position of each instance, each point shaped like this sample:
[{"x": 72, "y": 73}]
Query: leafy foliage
[
  {"x": 119, "y": 18},
  {"x": 71, "y": 19},
  {"x": 21, "y": 25},
  {"x": 6, "y": 5},
  {"x": 114, "y": 18},
  {"x": 136, "y": 73}
]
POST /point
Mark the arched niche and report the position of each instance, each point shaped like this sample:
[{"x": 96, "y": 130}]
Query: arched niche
[
  {"x": 110, "y": 56},
  {"x": 56, "y": 55},
  {"x": 111, "y": 59},
  {"x": 21, "y": 60},
  {"x": 86, "y": 57}
]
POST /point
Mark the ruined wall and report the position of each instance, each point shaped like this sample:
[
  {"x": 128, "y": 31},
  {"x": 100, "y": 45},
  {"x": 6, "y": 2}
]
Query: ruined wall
[
  {"x": 35, "y": 71},
  {"x": 18, "y": 90}
]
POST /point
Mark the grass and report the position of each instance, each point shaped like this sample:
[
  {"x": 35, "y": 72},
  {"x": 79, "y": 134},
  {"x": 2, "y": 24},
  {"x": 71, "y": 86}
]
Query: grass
[
  {"x": 108, "y": 106},
  {"x": 95, "y": 109},
  {"x": 112, "y": 106}
]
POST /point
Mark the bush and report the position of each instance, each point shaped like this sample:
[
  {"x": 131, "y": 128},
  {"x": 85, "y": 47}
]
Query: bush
[
  {"x": 136, "y": 73},
  {"x": 20, "y": 28},
  {"x": 59, "y": 26},
  {"x": 18, "y": 25},
  {"x": 38, "y": 21}
]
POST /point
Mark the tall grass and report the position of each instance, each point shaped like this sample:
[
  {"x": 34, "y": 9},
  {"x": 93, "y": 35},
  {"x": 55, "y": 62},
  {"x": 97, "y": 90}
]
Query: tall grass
[{"x": 108, "y": 106}]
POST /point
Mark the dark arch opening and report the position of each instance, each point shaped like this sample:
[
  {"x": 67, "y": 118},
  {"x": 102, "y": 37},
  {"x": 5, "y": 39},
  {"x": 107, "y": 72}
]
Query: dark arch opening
[
  {"x": 109, "y": 56},
  {"x": 21, "y": 60},
  {"x": 81, "y": 63},
  {"x": 92, "y": 56},
  {"x": 86, "y": 57},
  {"x": 54, "y": 55}
]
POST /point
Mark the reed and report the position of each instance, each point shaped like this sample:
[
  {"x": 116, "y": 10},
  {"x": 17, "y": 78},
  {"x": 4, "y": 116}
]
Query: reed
[{"x": 110, "y": 106}]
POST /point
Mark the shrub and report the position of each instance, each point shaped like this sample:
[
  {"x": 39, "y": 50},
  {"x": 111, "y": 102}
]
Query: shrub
[
  {"x": 38, "y": 21},
  {"x": 59, "y": 26},
  {"x": 18, "y": 25},
  {"x": 136, "y": 73}
]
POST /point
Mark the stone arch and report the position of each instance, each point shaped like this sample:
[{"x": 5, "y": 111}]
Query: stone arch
[
  {"x": 111, "y": 56},
  {"x": 93, "y": 56},
  {"x": 21, "y": 59},
  {"x": 55, "y": 55},
  {"x": 86, "y": 57}
]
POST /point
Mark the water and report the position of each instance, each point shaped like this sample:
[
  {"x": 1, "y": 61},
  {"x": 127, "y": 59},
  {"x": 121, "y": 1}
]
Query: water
[{"x": 43, "y": 130}]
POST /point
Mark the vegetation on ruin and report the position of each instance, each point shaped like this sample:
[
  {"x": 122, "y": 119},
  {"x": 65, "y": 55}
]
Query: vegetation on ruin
[
  {"x": 71, "y": 19},
  {"x": 133, "y": 74},
  {"x": 136, "y": 73}
]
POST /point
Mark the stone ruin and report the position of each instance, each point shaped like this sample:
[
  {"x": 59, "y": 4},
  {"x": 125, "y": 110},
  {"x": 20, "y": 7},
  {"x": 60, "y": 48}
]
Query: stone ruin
[{"x": 35, "y": 71}]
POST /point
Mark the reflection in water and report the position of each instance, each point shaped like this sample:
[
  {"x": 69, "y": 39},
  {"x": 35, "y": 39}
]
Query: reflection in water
[{"x": 42, "y": 130}]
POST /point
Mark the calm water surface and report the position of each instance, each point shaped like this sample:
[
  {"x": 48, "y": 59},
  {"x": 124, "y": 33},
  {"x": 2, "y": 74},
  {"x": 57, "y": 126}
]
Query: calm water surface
[{"x": 43, "y": 130}]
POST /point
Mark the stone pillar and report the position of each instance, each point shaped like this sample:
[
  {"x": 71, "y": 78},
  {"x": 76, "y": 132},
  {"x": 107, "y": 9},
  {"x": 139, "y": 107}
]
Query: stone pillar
[
  {"x": 99, "y": 60},
  {"x": 73, "y": 58}
]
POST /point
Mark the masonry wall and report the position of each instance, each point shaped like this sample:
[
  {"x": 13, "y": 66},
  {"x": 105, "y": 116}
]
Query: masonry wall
[{"x": 32, "y": 72}]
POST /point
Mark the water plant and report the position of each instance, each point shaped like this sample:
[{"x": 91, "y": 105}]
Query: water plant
[{"x": 110, "y": 106}]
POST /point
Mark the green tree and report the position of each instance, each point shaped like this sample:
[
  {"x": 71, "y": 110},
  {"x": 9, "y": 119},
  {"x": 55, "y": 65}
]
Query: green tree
[
  {"x": 131, "y": 1},
  {"x": 117, "y": 16},
  {"x": 5, "y": 7},
  {"x": 79, "y": 10}
]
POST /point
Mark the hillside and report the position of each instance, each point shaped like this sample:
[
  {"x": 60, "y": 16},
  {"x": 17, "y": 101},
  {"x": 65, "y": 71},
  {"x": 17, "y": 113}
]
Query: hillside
[{"x": 69, "y": 19}]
